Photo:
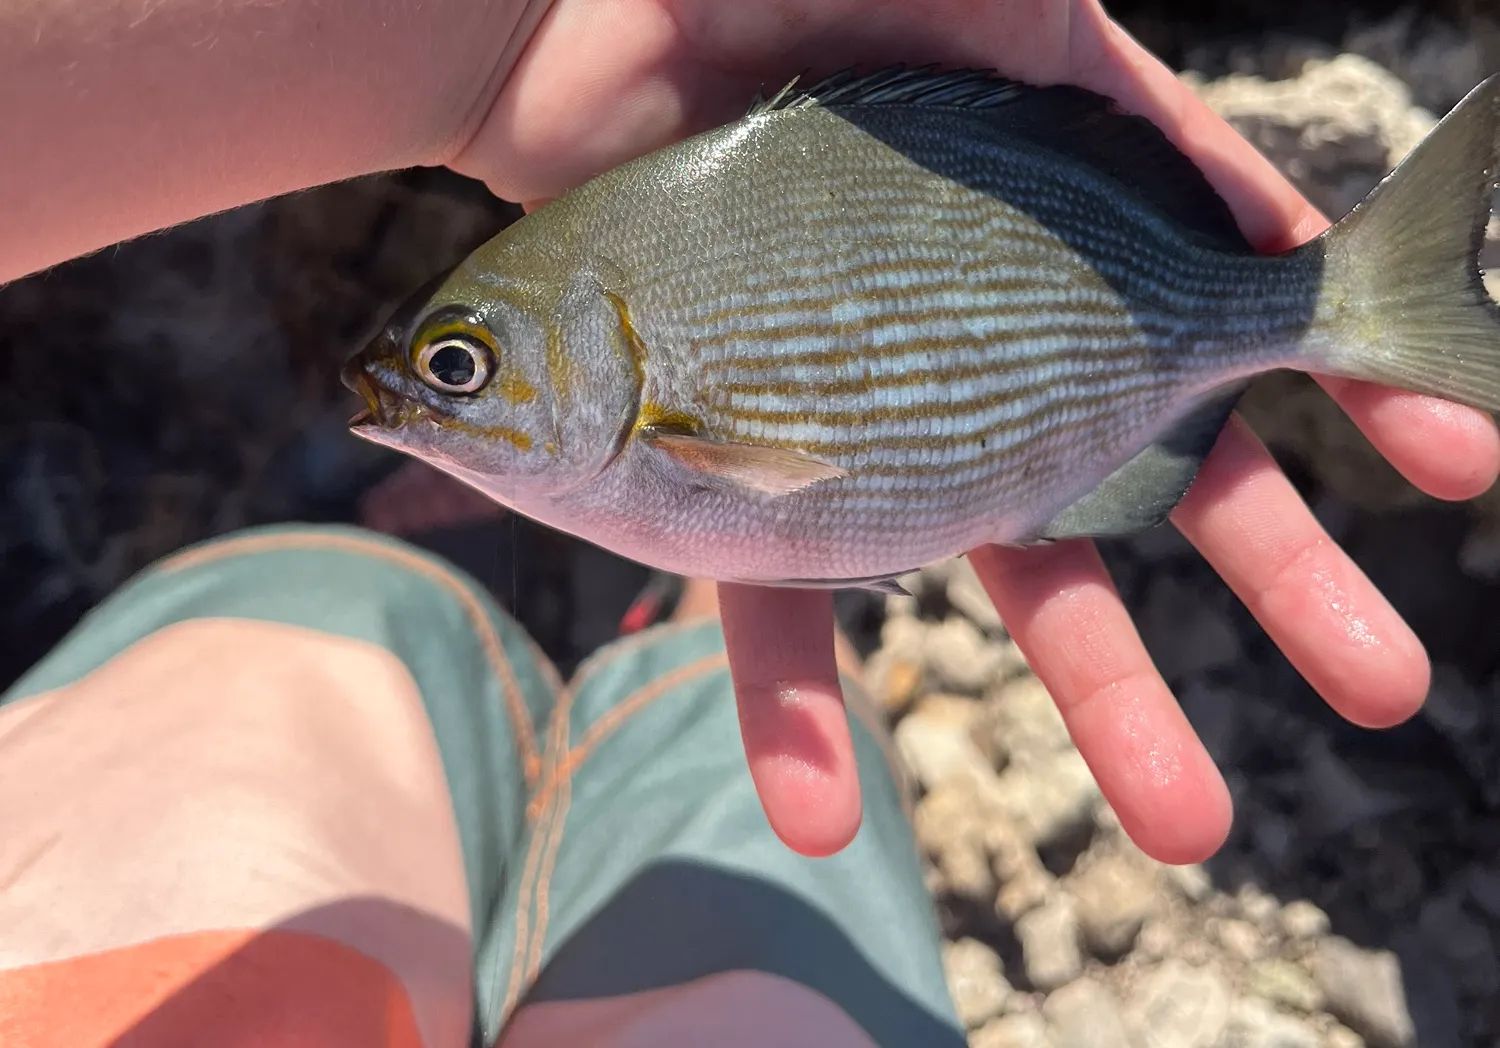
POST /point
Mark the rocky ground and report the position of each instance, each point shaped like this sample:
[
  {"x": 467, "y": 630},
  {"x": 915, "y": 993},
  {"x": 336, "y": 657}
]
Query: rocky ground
[
  {"x": 183, "y": 386},
  {"x": 1355, "y": 902}
]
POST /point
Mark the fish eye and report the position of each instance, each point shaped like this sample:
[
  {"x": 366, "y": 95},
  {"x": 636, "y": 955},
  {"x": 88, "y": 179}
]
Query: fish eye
[{"x": 455, "y": 364}]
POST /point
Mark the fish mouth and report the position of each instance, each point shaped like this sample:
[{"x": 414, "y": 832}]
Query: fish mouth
[{"x": 376, "y": 411}]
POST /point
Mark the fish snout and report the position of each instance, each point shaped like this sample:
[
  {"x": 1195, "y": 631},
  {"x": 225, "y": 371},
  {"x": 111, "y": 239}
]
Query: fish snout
[{"x": 378, "y": 400}]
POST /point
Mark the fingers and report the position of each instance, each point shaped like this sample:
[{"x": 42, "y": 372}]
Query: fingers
[
  {"x": 792, "y": 716},
  {"x": 1062, "y": 610},
  {"x": 1248, "y": 521},
  {"x": 1447, "y": 450}
]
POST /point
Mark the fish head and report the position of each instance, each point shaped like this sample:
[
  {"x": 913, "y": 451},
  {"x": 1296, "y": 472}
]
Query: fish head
[{"x": 513, "y": 380}]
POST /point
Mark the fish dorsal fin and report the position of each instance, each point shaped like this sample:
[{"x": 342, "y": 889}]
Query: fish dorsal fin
[
  {"x": 755, "y": 467},
  {"x": 896, "y": 86},
  {"x": 1142, "y": 493},
  {"x": 1072, "y": 121}
]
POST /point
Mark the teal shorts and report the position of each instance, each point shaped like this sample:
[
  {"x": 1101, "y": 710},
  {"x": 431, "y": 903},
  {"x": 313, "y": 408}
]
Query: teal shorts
[{"x": 612, "y": 839}]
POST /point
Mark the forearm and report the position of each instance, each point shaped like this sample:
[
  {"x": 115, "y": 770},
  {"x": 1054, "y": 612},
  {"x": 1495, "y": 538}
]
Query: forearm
[{"x": 121, "y": 117}]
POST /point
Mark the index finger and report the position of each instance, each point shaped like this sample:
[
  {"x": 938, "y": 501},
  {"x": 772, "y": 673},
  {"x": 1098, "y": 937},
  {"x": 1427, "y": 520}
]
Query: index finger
[{"x": 796, "y": 733}]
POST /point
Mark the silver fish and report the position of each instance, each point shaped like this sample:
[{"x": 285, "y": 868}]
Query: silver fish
[{"x": 889, "y": 319}]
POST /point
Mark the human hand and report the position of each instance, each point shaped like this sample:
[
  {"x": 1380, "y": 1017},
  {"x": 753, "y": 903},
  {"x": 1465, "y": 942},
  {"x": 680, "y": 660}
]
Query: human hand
[{"x": 603, "y": 81}]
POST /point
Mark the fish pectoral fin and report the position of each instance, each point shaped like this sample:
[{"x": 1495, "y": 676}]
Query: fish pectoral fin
[
  {"x": 770, "y": 471},
  {"x": 1142, "y": 493}
]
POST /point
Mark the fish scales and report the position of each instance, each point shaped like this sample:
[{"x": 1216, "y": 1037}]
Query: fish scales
[
  {"x": 899, "y": 363},
  {"x": 839, "y": 341},
  {"x": 814, "y": 216}
]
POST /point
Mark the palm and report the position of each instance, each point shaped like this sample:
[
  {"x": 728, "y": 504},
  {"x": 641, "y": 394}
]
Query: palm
[{"x": 606, "y": 80}]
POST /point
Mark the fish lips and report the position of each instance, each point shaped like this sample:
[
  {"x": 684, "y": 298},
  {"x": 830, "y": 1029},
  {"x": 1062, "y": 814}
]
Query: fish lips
[{"x": 380, "y": 402}]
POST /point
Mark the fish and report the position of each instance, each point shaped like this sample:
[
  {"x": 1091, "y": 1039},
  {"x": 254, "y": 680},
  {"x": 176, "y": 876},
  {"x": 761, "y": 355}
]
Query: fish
[{"x": 895, "y": 316}]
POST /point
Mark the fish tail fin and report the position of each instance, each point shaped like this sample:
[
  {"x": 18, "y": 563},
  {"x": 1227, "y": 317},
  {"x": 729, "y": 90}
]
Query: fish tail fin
[{"x": 1409, "y": 306}]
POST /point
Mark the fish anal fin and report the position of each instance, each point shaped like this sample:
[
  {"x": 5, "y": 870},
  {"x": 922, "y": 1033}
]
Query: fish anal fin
[
  {"x": 1142, "y": 493},
  {"x": 887, "y": 585},
  {"x": 756, "y": 467}
]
